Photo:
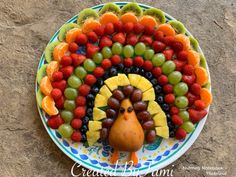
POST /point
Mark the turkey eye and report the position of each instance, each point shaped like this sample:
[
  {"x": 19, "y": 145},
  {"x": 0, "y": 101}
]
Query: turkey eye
[
  {"x": 130, "y": 109},
  {"x": 122, "y": 110}
]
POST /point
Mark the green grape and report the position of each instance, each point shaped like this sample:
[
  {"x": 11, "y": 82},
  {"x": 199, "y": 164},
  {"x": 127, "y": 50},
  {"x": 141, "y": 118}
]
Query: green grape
[
  {"x": 65, "y": 130},
  {"x": 180, "y": 89},
  {"x": 158, "y": 59},
  {"x": 128, "y": 51},
  {"x": 74, "y": 81},
  {"x": 89, "y": 65},
  {"x": 148, "y": 54},
  {"x": 187, "y": 126},
  {"x": 168, "y": 67},
  {"x": 184, "y": 115},
  {"x": 181, "y": 102},
  {"x": 97, "y": 58},
  {"x": 70, "y": 93},
  {"x": 80, "y": 72},
  {"x": 106, "y": 52},
  {"x": 67, "y": 116},
  {"x": 175, "y": 77},
  {"x": 139, "y": 48},
  {"x": 69, "y": 105},
  {"x": 117, "y": 48}
]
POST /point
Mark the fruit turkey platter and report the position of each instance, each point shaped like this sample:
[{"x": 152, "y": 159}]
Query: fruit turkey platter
[{"x": 123, "y": 88}]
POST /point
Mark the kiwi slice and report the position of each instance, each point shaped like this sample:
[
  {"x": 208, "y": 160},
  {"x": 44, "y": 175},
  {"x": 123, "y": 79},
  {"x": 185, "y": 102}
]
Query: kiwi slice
[
  {"x": 110, "y": 7},
  {"x": 194, "y": 43},
  {"x": 41, "y": 73},
  {"x": 49, "y": 50},
  {"x": 39, "y": 98},
  {"x": 207, "y": 85},
  {"x": 132, "y": 7},
  {"x": 178, "y": 26},
  {"x": 156, "y": 13},
  {"x": 203, "y": 61},
  {"x": 85, "y": 14},
  {"x": 64, "y": 29}
]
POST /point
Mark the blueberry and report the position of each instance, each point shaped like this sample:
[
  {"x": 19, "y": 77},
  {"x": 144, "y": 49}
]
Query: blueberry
[
  {"x": 160, "y": 99},
  {"x": 84, "y": 129},
  {"x": 171, "y": 125},
  {"x": 135, "y": 70},
  {"x": 90, "y": 103},
  {"x": 83, "y": 138},
  {"x": 165, "y": 107},
  {"x": 127, "y": 70},
  {"x": 106, "y": 75},
  {"x": 154, "y": 81},
  {"x": 158, "y": 89},
  {"x": 94, "y": 90},
  {"x": 172, "y": 134},
  {"x": 142, "y": 71},
  {"x": 90, "y": 97},
  {"x": 85, "y": 120},
  {"x": 113, "y": 71},
  {"x": 168, "y": 116},
  {"x": 148, "y": 75},
  {"x": 120, "y": 66},
  {"x": 100, "y": 82},
  {"x": 90, "y": 112}
]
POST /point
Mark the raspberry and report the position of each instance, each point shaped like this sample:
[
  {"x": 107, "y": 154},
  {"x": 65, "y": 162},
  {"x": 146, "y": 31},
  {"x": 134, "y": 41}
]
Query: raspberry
[
  {"x": 146, "y": 40},
  {"x": 156, "y": 71},
  {"x": 128, "y": 27},
  {"x": 57, "y": 76},
  {"x": 138, "y": 28},
  {"x": 188, "y": 69},
  {"x": 182, "y": 55},
  {"x": 169, "y": 98},
  {"x": 105, "y": 41},
  {"x": 199, "y": 104},
  {"x": 147, "y": 65},
  {"x": 128, "y": 62},
  {"x": 158, "y": 35},
  {"x": 195, "y": 89},
  {"x": 119, "y": 37},
  {"x": 76, "y": 123},
  {"x": 60, "y": 102},
  {"x": 158, "y": 46},
  {"x": 79, "y": 112},
  {"x": 92, "y": 36},
  {"x": 180, "y": 134},
  {"x": 56, "y": 93},
  {"x": 76, "y": 136},
  {"x": 138, "y": 61},
  {"x": 174, "y": 110},
  {"x": 118, "y": 26},
  {"x": 106, "y": 63},
  {"x": 98, "y": 72},
  {"x": 179, "y": 65},
  {"x": 66, "y": 61},
  {"x": 191, "y": 98},
  {"x": 168, "y": 88},
  {"x": 73, "y": 47},
  {"x": 81, "y": 39},
  {"x": 168, "y": 40},
  {"x": 90, "y": 79},
  {"x": 149, "y": 30},
  {"x": 163, "y": 79},
  {"x": 84, "y": 89},
  {"x": 77, "y": 59},
  {"x": 189, "y": 79},
  {"x": 60, "y": 85},
  {"x": 80, "y": 101},
  {"x": 131, "y": 39},
  {"x": 168, "y": 54},
  {"x": 99, "y": 30},
  {"x": 67, "y": 71},
  {"x": 109, "y": 28},
  {"x": 177, "y": 120},
  {"x": 177, "y": 46},
  {"x": 55, "y": 121},
  {"x": 115, "y": 59}
]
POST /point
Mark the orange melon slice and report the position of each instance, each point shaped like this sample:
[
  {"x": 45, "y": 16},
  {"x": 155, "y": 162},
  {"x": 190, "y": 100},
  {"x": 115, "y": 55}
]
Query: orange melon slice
[
  {"x": 206, "y": 96},
  {"x": 129, "y": 17},
  {"x": 193, "y": 58},
  {"x": 60, "y": 50},
  {"x": 184, "y": 40},
  {"x": 51, "y": 68},
  {"x": 90, "y": 25},
  {"x": 167, "y": 29},
  {"x": 108, "y": 17},
  {"x": 148, "y": 20},
  {"x": 48, "y": 105},
  {"x": 201, "y": 76},
  {"x": 72, "y": 34},
  {"x": 45, "y": 85}
]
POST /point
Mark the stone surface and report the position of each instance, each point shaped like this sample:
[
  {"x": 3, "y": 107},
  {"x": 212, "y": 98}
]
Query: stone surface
[{"x": 25, "y": 29}]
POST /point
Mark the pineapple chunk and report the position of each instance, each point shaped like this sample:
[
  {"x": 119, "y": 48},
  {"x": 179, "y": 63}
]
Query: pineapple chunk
[
  {"x": 94, "y": 125},
  {"x": 160, "y": 119},
  {"x": 92, "y": 137},
  {"x": 100, "y": 101},
  {"x": 134, "y": 79},
  {"x": 123, "y": 80},
  {"x": 153, "y": 107},
  {"x": 162, "y": 132},
  {"x": 144, "y": 84},
  {"x": 112, "y": 83},
  {"x": 104, "y": 91},
  {"x": 149, "y": 95},
  {"x": 98, "y": 114}
]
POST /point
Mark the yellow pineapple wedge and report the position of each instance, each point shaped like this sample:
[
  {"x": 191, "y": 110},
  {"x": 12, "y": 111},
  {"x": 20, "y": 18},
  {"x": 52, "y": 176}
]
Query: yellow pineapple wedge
[
  {"x": 100, "y": 101},
  {"x": 94, "y": 125},
  {"x": 104, "y": 91},
  {"x": 160, "y": 119},
  {"x": 162, "y": 132},
  {"x": 112, "y": 83},
  {"x": 134, "y": 79},
  {"x": 144, "y": 84},
  {"x": 92, "y": 137},
  {"x": 98, "y": 114},
  {"x": 149, "y": 95},
  {"x": 123, "y": 80},
  {"x": 153, "y": 107}
]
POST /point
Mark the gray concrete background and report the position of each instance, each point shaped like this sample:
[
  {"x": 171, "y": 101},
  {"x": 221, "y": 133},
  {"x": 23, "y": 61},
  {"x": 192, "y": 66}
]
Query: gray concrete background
[{"x": 26, "y": 27}]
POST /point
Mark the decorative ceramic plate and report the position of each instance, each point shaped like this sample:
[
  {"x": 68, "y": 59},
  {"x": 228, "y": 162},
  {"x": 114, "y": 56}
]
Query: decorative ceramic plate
[{"x": 152, "y": 157}]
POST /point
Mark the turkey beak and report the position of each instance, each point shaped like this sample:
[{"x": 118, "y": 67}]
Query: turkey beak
[{"x": 126, "y": 115}]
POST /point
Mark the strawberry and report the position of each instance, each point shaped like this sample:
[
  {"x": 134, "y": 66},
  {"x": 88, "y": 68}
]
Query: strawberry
[
  {"x": 60, "y": 102},
  {"x": 147, "y": 65},
  {"x": 174, "y": 110},
  {"x": 169, "y": 98},
  {"x": 91, "y": 50},
  {"x": 163, "y": 79},
  {"x": 156, "y": 71},
  {"x": 109, "y": 28},
  {"x": 99, "y": 30},
  {"x": 131, "y": 39},
  {"x": 188, "y": 69},
  {"x": 192, "y": 98},
  {"x": 55, "y": 121},
  {"x": 105, "y": 42},
  {"x": 158, "y": 46},
  {"x": 118, "y": 26},
  {"x": 98, "y": 72},
  {"x": 76, "y": 123},
  {"x": 168, "y": 54},
  {"x": 92, "y": 36},
  {"x": 177, "y": 120},
  {"x": 168, "y": 88},
  {"x": 138, "y": 61},
  {"x": 149, "y": 30},
  {"x": 60, "y": 85},
  {"x": 67, "y": 71},
  {"x": 195, "y": 115},
  {"x": 57, "y": 76},
  {"x": 180, "y": 134},
  {"x": 84, "y": 89},
  {"x": 80, "y": 100},
  {"x": 77, "y": 59},
  {"x": 79, "y": 112},
  {"x": 81, "y": 39},
  {"x": 146, "y": 40},
  {"x": 138, "y": 28},
  {"x": 76, "y": 136},
  {"x": 199, "y": 105},
  {"x": 128, "y": 27},
  {"x": 158, "y": 35},
  {"x": 56, "y": 93},
  {"x": 115, "y": 59},
  {"x": 177, "y": 46},
  {"x": 119, "y": 37},
  {"x": 168, "y": 40},
  {"x": 73, "y": 47},
  {"x": 189, "y": 79},
  {"x": 128, "y": 62},
  {"x": 179, "y": 65},
  {"x": 182, "y": 55},
  {"x": 90, "y": 79},
  {"x": 106, "y": 63},
  {"x": 195, "y": 89},
  {"x": 66, "y": 61}
]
